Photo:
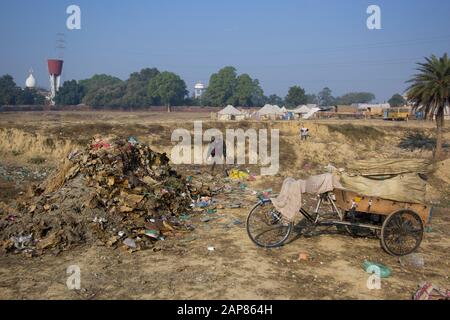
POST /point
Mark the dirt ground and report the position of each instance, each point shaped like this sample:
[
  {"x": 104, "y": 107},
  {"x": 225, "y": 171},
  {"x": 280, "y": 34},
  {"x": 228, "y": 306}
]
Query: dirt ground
[{"x": 33, "y": 144}]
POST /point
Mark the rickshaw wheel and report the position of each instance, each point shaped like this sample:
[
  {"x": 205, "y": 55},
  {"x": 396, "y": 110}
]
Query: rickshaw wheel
[
  {"x": 402, "y": 232},
  {"x": 266, "y": 227}
]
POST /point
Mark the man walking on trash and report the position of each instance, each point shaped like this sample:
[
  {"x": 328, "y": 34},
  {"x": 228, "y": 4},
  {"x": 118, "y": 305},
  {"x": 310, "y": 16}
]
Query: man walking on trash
[{"x": 217, "y": 150}]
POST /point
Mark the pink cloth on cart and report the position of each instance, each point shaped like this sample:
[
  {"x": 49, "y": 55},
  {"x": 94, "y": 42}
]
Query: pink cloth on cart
[{"x": 289, "y": 201}]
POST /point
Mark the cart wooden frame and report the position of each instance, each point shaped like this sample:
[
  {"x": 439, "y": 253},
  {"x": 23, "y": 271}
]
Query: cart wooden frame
[{"x": 399, "y": 225}]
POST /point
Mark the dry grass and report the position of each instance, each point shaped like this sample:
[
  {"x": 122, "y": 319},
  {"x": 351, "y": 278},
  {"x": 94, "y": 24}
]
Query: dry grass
[{"x": 357, "y": 133}]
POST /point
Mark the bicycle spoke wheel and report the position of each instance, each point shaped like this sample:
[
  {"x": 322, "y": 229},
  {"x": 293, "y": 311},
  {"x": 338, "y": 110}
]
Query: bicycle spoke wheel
[
  {"x": 266, "y": 226},
  {"x": 402, "y": 232}
]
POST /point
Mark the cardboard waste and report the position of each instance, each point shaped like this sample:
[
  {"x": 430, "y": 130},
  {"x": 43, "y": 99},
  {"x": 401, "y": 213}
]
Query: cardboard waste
[{"x": 115, "y": 192}]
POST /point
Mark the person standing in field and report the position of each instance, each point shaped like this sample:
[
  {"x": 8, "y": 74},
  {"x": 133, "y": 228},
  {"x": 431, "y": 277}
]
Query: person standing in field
[
  {"x": 218, "y": 151},
  {"x": 304, "y": 132}
]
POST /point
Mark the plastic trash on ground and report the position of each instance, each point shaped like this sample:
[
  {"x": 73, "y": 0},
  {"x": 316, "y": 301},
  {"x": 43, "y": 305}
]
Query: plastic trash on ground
[
  {"x": 414, "y": 260},
  {"x": 373, "y": 267}
]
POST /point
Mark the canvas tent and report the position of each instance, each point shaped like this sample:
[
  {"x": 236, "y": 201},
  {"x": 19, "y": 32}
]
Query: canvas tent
[
  {"x": 301, "y": 110},
  {"x": 230, "y": 113},
  {"x": 270, "y": 111}
]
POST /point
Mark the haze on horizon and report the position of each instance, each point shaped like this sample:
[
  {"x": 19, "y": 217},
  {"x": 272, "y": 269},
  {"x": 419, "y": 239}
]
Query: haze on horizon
[{"x": 282, "y": 43}]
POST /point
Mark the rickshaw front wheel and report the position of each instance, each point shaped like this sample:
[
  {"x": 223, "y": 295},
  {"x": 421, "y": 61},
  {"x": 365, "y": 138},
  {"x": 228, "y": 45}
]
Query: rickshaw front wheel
[{"x": 266, "y": 227}]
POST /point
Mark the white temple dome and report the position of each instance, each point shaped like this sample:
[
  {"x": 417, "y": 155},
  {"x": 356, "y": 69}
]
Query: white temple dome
[{"x": 31, "y": 81}]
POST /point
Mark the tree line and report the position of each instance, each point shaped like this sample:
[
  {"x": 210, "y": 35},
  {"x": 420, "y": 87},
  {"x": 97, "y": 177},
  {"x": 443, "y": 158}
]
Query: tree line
[
  {"x": 150, "y": 87},
  {"x": 11, "y": 94}
]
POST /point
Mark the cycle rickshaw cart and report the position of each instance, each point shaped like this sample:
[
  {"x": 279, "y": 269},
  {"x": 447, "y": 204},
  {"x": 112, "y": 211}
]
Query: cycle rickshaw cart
[{"x": 399, "y": 225}]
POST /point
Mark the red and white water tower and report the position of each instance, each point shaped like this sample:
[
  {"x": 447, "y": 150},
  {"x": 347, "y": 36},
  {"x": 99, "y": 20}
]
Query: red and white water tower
[{"x": 55, "y": 67}]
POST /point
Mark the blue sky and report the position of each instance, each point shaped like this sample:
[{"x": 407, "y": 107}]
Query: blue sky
[{"x": 282, "y": 43}]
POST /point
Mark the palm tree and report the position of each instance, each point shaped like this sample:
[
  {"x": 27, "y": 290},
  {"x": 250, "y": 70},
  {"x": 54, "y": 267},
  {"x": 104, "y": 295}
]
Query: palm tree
[{"x": 430, "y": 93}]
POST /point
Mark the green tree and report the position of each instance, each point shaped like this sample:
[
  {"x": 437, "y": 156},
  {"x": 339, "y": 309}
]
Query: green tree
[
  {"x": 296, "y": 96},
  {"x": 9, "y": 91},
  {"x": 273, "y": 99},
  {"x": 430, "y": 92},
  {"x": 107, "y": 91},
  {"x": 226, "y": 87},
  {"x": 38, "y": 99},
  {"x": 258, "y": 97},
  {"x": 312, "y": 99},
  {"x": 397, "y": 100},
  {"x": 71, "y": 93},
  {"x": 325, "y": 97},
  {"x": 136, "y": 92},
  {"x": 168, "y": 88},
  {"x": 221, "y": 88},
  {"x": 109, "y": 96},
  {"x": 30, "y": 96},
  {"x": 355, "y": 97},
  {"x": 248, "y": 92},
  {"x": 11, "y": 94},
  {"x": 243, "y": 91},
  {"x": 99, "y": 81}
]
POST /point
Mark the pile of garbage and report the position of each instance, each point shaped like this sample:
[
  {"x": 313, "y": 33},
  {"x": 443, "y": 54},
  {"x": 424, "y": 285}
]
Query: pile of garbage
[{"x": 116, "y": 191}]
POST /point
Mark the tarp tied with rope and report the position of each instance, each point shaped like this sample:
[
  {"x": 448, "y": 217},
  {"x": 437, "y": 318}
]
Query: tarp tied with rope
[
  {"x": 393, "y": 179},
  {"x": 377, "y": 167}
]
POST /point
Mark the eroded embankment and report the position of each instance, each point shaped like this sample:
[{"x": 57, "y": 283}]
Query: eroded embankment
[
  {"x": 328, "y": 143},
  {"x": 21, "y": 147},
  {"x": 336, "y": 144}
]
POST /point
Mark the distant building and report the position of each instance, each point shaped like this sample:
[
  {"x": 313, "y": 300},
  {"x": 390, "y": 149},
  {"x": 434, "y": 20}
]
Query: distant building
[
  {"x": 31, "y": 81},
  {"x": 199, "y": 90}
]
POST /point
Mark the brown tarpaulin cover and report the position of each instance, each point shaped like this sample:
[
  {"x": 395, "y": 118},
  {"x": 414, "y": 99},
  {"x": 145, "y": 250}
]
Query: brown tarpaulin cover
[
  {"x": 393, "y": 179},
  {"x": 404, "y": 187},
  {"x": 377, "y": 167}
]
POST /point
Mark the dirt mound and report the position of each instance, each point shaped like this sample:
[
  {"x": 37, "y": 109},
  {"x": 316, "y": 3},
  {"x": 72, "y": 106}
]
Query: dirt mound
[{"x": 115, "y": 191}]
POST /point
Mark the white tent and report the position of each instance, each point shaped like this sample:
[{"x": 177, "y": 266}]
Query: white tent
[
  {"x": 270, "y": 110},
  {"x": 301, "y": 110},
  {"x": 284, "y": 110},
  {"x": 230, "y": 113},
  {"x": 230, "y": 110}
]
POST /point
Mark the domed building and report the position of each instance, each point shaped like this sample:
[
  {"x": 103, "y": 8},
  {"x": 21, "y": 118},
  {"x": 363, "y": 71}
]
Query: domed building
[{"x": 31, "y": 81}]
